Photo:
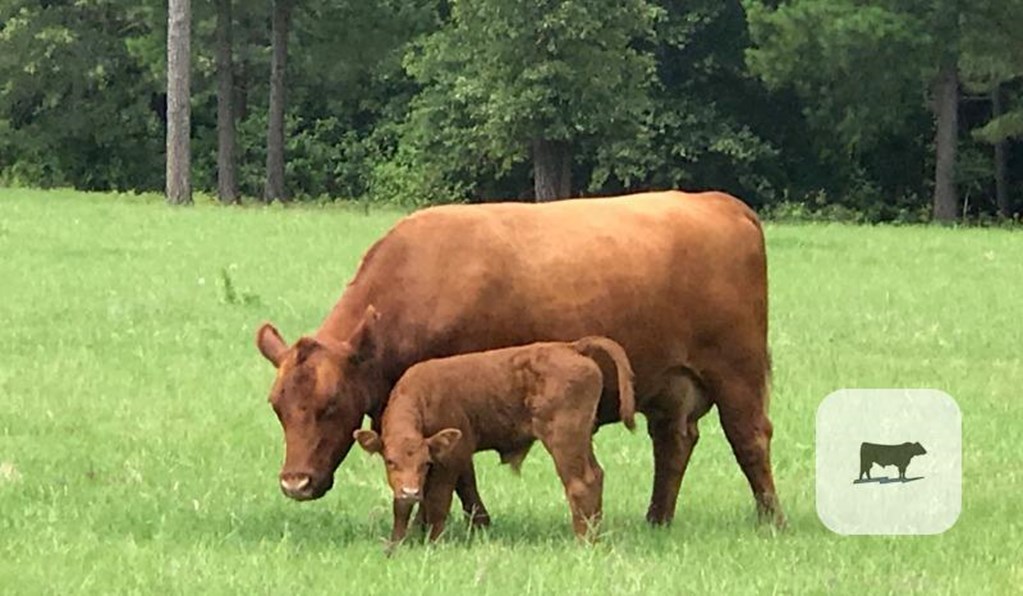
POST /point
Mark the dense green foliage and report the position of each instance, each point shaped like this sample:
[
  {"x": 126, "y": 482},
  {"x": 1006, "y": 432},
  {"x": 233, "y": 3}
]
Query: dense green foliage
[
  {"x": 823, "y": 103},
  {"x": 138, "y": 453}
]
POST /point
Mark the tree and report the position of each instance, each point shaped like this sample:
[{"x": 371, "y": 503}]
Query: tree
[
  {"x": 275, "y": 120},
  {"x": 861, "y": 66},
  {"x": 945, "y": 24},
  {"x": 179, "y": 189},
  {"x": 993, "y": 61},
  {"x": 78, "y": 107},
  {"x": 227, "y": 180},
  {"x": 710, "y": 119},
  {"x": 534, "y": 80}
]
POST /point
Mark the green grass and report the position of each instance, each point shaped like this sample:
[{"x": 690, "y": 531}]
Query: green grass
[{"x": 138, "y": 454}]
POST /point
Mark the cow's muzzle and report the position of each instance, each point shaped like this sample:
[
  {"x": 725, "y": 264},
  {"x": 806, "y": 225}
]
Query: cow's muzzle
[{"x": 304, "y": 487}]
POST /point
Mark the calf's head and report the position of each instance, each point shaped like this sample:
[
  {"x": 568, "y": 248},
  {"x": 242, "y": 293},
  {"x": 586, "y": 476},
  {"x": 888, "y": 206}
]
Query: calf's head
[
  {"x": 408, "y": 457},
  {"x": 320, "y": 396},
  {"x": 917, "y": 449}
]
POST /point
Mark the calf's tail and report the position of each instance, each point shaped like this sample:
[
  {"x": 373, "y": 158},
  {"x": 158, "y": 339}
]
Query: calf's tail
[{"x": 588, "y": 346}]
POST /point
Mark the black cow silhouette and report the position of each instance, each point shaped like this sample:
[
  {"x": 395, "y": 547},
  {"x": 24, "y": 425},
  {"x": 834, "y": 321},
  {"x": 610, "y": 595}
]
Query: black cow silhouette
[{"x": 888, "y": 455}]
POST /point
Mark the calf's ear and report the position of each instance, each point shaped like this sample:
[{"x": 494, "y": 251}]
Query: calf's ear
[
  {"x": 441, "y": 443},
  {"x": 369, "y": 440},
  {"x": 270, "y": 343}
]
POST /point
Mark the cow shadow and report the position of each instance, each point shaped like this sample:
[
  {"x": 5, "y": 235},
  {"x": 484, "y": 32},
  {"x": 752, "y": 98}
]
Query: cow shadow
[{"x": 887, "y": 480}]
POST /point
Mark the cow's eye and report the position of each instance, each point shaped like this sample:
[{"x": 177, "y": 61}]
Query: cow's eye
[
  {"x": 330, "y": 409},
  {"x": 390, "y": 463}
]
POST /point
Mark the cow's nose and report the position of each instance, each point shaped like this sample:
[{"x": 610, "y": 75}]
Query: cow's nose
[
  {"x": 295, "y": 484},
  {"x": 407, "y": 493}
]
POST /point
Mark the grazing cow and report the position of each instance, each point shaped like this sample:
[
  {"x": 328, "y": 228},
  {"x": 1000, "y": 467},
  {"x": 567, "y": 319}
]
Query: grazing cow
[
  {"x": 679, "y": 280},
  {"x": 443, "y": 411},
  {"x": 888, "y": 455}
]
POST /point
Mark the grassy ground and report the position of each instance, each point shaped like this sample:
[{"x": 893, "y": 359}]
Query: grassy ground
[{"x": 138, "y": 454}]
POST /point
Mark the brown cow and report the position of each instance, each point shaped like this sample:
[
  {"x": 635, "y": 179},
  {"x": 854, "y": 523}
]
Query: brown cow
[
  {"x": 442, "y": 411},
  {"x": 679, "y": 280}
]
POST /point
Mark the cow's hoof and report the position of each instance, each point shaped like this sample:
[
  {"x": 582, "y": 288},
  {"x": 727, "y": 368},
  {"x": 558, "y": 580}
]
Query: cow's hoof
[
  {"x": 769, "y": 512},
  {"x": 773, "y": 522},
  {"x": 656, "y": 518}
]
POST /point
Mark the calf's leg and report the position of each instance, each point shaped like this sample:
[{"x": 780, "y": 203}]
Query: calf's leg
[
  {"x": 437, "y": 501},
  {"x": 402, "y": 512},
  {"x": 472, "y": 505},
  {"x": 580, "y": 474}
]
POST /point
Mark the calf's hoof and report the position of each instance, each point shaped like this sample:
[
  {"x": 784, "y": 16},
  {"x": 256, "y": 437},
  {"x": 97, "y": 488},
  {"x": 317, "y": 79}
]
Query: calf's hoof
[{"x": 480, "y": 520}]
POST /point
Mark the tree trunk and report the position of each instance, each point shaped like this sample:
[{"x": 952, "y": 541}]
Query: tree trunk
[
  {"x": 1001, "y": 172},
  {"x": 241, "y": 89},
  {"x": 275, "y": 128},
  {"x": 946, "y": 112},
  {"x": 227, "y": 180},
  {"x": 552, "y": 170},
  {"x": 179, "y": 158},
  {"x": 250, "y": 37}
]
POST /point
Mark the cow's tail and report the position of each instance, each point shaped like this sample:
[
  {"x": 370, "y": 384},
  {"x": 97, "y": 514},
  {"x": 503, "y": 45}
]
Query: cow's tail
[{"x": 588, "y": 346}]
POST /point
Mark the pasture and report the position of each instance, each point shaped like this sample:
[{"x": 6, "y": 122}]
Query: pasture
[{"x": 138, "y": 453}]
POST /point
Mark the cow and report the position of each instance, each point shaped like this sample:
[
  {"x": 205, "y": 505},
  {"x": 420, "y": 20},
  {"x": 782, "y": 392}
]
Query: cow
[
  {"x": 678, "y": 279},
  {"x": 888, "y": 455},
  {"x": 444, "y": 410}
]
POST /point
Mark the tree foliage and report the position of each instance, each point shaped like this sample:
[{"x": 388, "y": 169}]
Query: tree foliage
[
  {"x": 521, "y": 71},
  {"x": 820, "y": 102},
  {"x": 870, "y": 70}
]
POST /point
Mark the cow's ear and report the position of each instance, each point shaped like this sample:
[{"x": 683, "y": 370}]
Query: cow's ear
[
  {"x": 368, "y": 440},
  {"x": 363, "y": 340},
  {"x": 441, "y": 443},
  {"x": 271, "y": 344}
]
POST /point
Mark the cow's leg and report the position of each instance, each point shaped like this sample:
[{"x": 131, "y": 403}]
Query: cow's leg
[
  {"x": 672, "y": 424},
  {"x": 470, "y": 497},
  {"x": 741, "y": 401}
]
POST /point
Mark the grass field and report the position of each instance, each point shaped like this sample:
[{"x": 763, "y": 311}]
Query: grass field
[{"x": 138, "y": 453}]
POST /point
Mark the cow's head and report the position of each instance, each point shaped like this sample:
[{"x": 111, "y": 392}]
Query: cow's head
[
  {"x": 408, "y": 457},
  {"x": 320, "y": 396},
  {"x": 917, "y": 449}
]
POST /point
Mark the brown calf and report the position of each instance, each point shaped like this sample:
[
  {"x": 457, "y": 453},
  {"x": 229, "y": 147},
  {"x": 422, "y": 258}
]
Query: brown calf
[{"x": 442, "y": 411}]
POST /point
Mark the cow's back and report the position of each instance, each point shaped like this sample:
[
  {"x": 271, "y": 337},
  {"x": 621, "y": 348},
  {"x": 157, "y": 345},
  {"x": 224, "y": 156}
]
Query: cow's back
[{"x": 674, "y": 278}]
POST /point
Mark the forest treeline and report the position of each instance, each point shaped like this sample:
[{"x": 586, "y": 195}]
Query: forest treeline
[{"x": 867, "y": 109}]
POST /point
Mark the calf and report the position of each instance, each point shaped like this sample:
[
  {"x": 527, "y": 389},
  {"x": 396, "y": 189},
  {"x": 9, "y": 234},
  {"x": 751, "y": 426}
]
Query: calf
[
  {"x": 888, "y": 455},
  {"x": 442, "y": 411}
]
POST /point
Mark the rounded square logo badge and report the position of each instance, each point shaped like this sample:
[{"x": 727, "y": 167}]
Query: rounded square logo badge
[{"x": 889, "y": 461}]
